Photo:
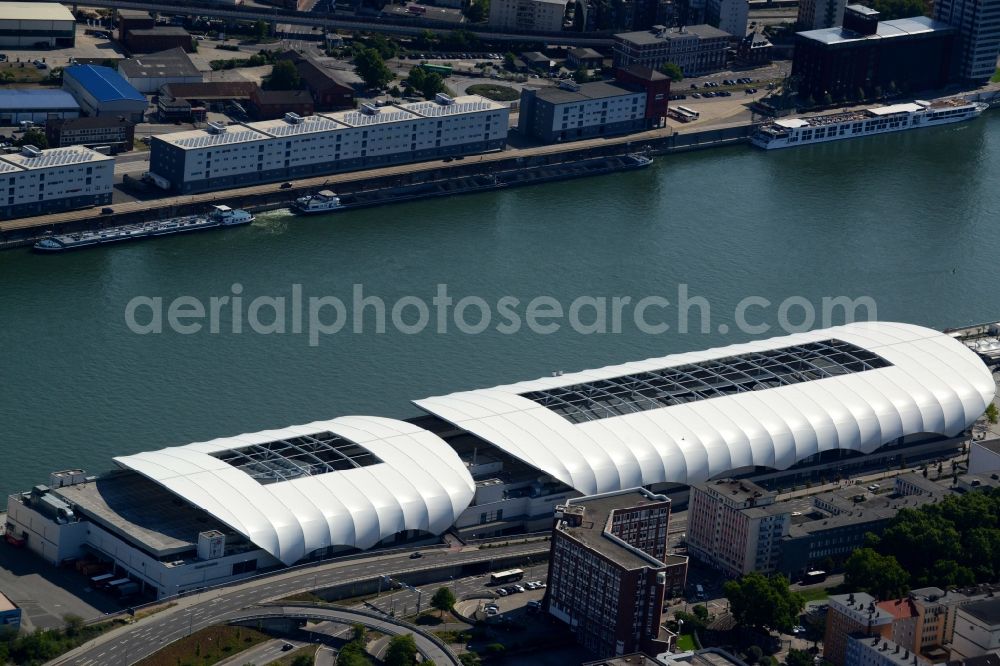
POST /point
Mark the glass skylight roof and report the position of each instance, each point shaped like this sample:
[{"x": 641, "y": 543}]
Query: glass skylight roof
[
  {"x": 715, "y": 378},
  {"x": 294, "y": 457}
]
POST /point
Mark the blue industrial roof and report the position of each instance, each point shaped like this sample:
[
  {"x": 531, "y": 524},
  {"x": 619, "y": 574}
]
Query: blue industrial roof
[
  {"x": 15, "y": 99},
  {"x": 104, "y": 83}
]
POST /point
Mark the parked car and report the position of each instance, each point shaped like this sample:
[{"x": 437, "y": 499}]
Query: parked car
[
  {"x": 286, "y": 186},
  {"x": 285, "y": 647},
  {"x": 416, "y": 556},
  {"x": 107, "y": 210},
  {"x": 696, "y": 95},
  {"x": 490, "y": 612},
  {"x": 519, "y": 588},
  {"x": 502, "y": 592}
]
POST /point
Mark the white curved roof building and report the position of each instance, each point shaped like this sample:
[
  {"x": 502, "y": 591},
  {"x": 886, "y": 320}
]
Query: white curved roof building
[
  {"x": 350, "y": 481},
  {"x": 689, "y": 417}
]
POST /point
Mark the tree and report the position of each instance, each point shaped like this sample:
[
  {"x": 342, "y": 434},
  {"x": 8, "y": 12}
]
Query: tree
[
  {"x": 370, "y": 66},
  {"x": 581, "y": 75},
  {"x": 798, "y": 658},
  {"x": 402, "y": 651},
  {"x": 879, "y": 575},
  {"x": 469, "y": 659},
  {"x": 754, "y": 654},
  {"x": 477, "y": 11},
  {"x": 991, "y": 413},
  {"x": 673, "y": 71},
  {"x": 443, "y": 600},
  {"x": 302, "y": 660},
  {"x": 426, "y": 83},
  {"x": 284, "y": 76},
  {"x": 509, "y": 60},
  {"x": 701, "y": 612},
  {"x": 74, "y": 623},
  {"x": 763, "y": 602},
  {"x": 33, "y": 137},
  {"x": 260, "y": 30}
]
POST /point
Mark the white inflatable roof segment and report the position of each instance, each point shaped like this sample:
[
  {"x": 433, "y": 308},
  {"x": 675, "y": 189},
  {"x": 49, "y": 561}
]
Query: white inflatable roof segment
[
  {"x": 418, "y": 483},
  {"x": 931, "y": 384}
]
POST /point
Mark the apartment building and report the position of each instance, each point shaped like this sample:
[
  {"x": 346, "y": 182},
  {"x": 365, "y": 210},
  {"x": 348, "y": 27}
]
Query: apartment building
[
  {"x": 735, "y": 526},
  {"x": 728, "y": 15},
  {"x": 609, "y": 571},
  {"x": 46, "y": 181},
  {"x": 527, "y": 15},
  {"x": 819, "y": 14},
  {"x": 855, "y": 614},
  {"x": 696, "y": 49},
  {"x": 116, "y": 133},
  {"x": 295, "y": 146},
  {"x": 865, "y": 650}
]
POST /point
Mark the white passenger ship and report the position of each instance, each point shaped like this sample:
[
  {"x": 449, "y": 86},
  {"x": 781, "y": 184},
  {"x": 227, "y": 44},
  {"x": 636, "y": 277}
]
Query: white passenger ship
[{"x": 852, "y": 124}]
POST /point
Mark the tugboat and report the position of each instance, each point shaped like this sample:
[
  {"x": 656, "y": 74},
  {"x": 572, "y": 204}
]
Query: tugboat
[
  {"x": 221, "y": 216},
  {"x": 323, "y": 201}
]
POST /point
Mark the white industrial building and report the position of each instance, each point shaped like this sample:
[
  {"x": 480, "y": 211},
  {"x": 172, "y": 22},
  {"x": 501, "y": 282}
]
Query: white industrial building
[
  {"x": 227, "y": 156},
  {"x": 528, "y": 15},
  {"x": 32, "y": 24},
  {"x": 497, "y": 461},
  {"x": 36, "y": 181}
]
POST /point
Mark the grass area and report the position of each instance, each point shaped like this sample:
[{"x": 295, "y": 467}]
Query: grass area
[
  {"x": 154, "y": 610},
  {"x": 493, "y": 91},
  {"x": 454, "y": 636},
  {"x": 685, "y": 642},
  {"x": 206, "y": 647},
  {"x": 814, "y": 594},
  {"x": 309, "y": 652},
  {"x": 996, "y": 77},
  {"x": 43, "y": 645},
  {"x": 21, "y": 72}
]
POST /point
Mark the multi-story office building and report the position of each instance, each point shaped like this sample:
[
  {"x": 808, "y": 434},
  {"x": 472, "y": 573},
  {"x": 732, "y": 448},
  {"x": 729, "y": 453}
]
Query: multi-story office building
[
  {"x": 978, "y": 25},
  {"x": 227, "y": 156},
  {"x": 35, "y": 182},
  {"x": 728, "y": 15},
  {"x": 866, "y": 56},
  {"x": 696, "y": 49},
  {"x": 819, "y": 14},
  {"x": 735, "y": 526},
  {"x": 609, "y": 570},
  {"x": 115, "y": 133},
  {"x": 528, "y": 15},
  {"x": 855, "y": 614},
  {"x": 977, "y": 629},
  {"x": 577, "y": 111}
]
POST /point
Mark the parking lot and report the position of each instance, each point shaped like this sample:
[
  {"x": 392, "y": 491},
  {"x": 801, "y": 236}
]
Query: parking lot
[{"x": 87, "y": 46}]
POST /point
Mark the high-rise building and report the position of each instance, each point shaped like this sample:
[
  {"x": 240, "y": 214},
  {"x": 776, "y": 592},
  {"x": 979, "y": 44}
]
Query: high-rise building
[
  {"x": 728, "y": 15},
  {"x": 609, "y": 571},
  {"x": 735, "y": 526},
  {"x": 819, "y": 14},
  {"x": 978, "y": 24}
]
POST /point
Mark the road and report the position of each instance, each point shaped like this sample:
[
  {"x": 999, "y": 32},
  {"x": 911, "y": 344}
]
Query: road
[
  {"x": 264, "y": 653},
  {"x": 132, "y": 642}
]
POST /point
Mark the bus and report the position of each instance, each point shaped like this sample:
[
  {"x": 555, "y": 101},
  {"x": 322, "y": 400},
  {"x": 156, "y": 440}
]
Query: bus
[
  {"x": 812, "y": 577},
  {"x": 508, "y": 576},
  {"x": 682, "y": 113}
]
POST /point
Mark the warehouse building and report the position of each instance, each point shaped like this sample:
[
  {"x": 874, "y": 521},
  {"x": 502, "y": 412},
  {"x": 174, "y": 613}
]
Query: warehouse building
[
  {"x": 46, "y": 181},
  {"x": 10, "y": 614},
  {"x": 499, "y": 460},
  {"x": 295, "y": 146},
  {"x": 866, "y": 56},
  {"x": 101, "y": 91},
  {"x": 117, "y": 134},
  {"x": 38, "y": 106},
  {"x": 33, "y": 24},
  {"x": 148, "y": 73}
]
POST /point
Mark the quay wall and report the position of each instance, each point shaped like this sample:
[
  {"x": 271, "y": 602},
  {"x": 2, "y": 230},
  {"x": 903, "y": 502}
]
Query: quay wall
[{"x": 270, "y": 197}]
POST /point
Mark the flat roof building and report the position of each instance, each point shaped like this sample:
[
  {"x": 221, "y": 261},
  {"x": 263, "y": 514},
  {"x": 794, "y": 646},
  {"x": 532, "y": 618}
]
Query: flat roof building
[
  {"x": 609, "y": 571},
  {"x": 10, "y": 614},
  {"x": 977, "y": 630},
  {"x": 978, "y": 40},
  {"x": 850, "y": 62},
  {"x": 528, "y": 15},
  {"x": 30, "y": 24},
  {"x": 149, "y": 73},
  {"x": 101, "y": 91},
  {"x": 116, "y": 133},
  {"x": 298, "y": 146},
  {"x": 35, "y": 182},
  {"x": 17, "y": 105},
  {"x": 696, "y": 49}
]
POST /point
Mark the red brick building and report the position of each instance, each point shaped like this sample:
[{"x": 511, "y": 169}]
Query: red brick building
[
  {"x": 657, "y": 87},
  {"x": 270, "y": 104},
  {"x": 609, "y": 571}
]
